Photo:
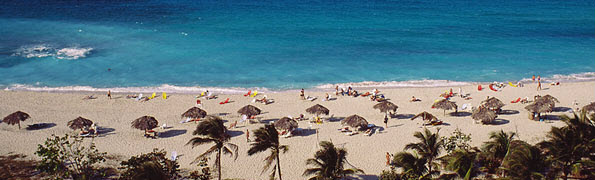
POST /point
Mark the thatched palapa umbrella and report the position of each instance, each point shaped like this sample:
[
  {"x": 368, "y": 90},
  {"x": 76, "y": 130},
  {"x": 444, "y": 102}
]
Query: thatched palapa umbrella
[
  {"x": 551, "y": 99},
  {"x": 589, "y": 108},
  {"x": 194, "y": 113},
  {"x": 425, "y": 116},
  {"x": 355, "y": 121},
  {"x": 145, "y": 123},
  {"x": 79, "y": 123},
  {"x": 493, "y": 103},
  {"x": 483, "y": 114},
  {"x": 386, "y": 107},
  {"x": 286, "y": 123},
  {"x": 539, "y": 107},
  {"x": 16, "y": 118},
  {"x": 318, "y": 110},
  {"x": 249, "y": 110},
  {"x": 445, "y": 104}
]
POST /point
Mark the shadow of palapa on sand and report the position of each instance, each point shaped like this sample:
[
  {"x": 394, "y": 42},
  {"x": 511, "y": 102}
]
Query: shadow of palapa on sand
[
  {"x": 334, "y": 119},
  {"x": 403, "y": 116},
  {"x": 268, "y": 121},
  {"x": 104, "y": 131},
  {"x": 221, "y": 114},
  {"x": 40, "y": 126},
  {"x": 172, "y": 133},
  {"x": 233, "y": 133},
  {"x": 561, "y": 109},
  {"x": 367, "y": 176},
  {"x": 508, "y": 112},
  {"x": 460, "y": 114},
  {"x": 306, "y": 132},
  {"x": 499, "y": 122}
]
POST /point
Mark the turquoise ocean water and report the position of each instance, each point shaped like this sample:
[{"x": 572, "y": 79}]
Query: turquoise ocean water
[{"x": 187, "y": 46}]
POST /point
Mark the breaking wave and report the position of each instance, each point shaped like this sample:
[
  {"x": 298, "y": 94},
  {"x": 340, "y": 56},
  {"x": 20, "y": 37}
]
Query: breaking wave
[{"x": 45, "y": 50}]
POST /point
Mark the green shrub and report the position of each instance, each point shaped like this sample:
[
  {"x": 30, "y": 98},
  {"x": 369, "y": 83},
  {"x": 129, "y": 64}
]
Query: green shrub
[
  {"x": 457, "y": 140},
  {"x": 153, "y": 165},
  {"x": 67, "y": 157},
  {"x": 205, "y": 173}
]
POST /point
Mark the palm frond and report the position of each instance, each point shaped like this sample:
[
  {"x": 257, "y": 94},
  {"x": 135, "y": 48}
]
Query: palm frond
[
  {"x": 206, "y": 153},
  {"x": 196, "y": 141}
]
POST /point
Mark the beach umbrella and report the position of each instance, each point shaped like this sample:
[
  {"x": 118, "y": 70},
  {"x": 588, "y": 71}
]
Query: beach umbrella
[
  {"x": 548, "y": 99},
  {"x": 589, "y": 108},
  {"x": 493, "y": 103},
  {"x": 318, "y": 110},
  {"x": 286, "y": 123},
  {"x": 425, "y": 116},
  {"x": 355, "y": 121},
  {"x": 16, "y": 118},
  {"x": 249, "y": 110},
  {"x": 445, "y": 104},
  {"x": 194, "y": 113},
  {"x": 483, "y": 114},
  {"x": 145, "y": 123},
  {"x": 386, "y": 106},
  {"x": 539, "y": 107},
  {"x": 79, "y": 123}
]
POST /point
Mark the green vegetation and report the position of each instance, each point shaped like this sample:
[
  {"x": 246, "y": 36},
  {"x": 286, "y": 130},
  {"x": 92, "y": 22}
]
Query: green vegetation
[
  {"x": 267, "y": 137},
  {"x": 329, "y": 163},
  {"x": 153, "y": 165}
]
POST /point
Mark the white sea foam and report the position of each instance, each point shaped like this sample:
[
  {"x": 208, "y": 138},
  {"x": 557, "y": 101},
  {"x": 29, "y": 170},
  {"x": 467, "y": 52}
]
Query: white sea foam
[
  {"x": 162, "y": 88},
  {"x": 413, "y": 83},
  {"x": 45, "y": 50}
]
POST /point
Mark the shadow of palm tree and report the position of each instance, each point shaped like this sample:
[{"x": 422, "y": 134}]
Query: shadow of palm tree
[
  {"x": 508, "y": 112},
  {"x": 367, "y": 176},
  {"x": 306, "y": 132},
  {"x": 172, "y": 133},
  {"x": 40, "y": 126}
]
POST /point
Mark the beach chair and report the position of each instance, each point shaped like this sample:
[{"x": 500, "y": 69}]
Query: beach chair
[
  {"x": 164, "y": 95},
  {"x": 140, "y": 96},
  {"x": 153, "y": 96},
  {"x": 225, "y": 102},
  {"x": 464, "y": 107},
  {"x": 247, "y": 94},
  {"x": 516, "y": 101},
  {"x": 255, "y": 93},
  {"x": 510, "y": 84},
  {"x": 479, "y": 88}
]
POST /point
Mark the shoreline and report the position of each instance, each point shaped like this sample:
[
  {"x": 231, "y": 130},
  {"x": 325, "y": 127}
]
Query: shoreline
[
  {"x": 173, "y": 89},
  {"x": 365, "y": 152}
]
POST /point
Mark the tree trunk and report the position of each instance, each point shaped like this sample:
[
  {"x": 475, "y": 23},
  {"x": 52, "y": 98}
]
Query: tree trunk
[
  {"x": 19, "y": 124},
  {"x": 279, "y": 165},
  {"x": 219, "y": 163},
  {"x": 430, "y": 167}
]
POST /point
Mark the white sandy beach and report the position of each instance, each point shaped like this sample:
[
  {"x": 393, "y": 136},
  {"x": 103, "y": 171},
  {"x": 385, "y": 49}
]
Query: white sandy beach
[{"x": 365, "y": 152}]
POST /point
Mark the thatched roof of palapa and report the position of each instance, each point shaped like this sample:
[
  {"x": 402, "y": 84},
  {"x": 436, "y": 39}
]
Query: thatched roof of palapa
[
  {"x": 355, "y": 121},
  {"x": 286, "y": 123},
  {"x": 318, "y": 110},
  {"x": 493, "y": 103},
  {"x": 548, "y": 99},
  {"x": 445, "y": 104},
  {"x": 589, "y": 108},
  {"x": 539, "y": 107},
  {"x": 16, "y": 117},
  {"x": 386, "y": 106},
  {"x": 485, "y": 115},
  {"x": 194, "y": 113},
  {"x": 79, "y": 123},
  {"x": 249, "y": 110},
  {"x": 145, "y": 123},
  {"x": 425, "y": 116}
]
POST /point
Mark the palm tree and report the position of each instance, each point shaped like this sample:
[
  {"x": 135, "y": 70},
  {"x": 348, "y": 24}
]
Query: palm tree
[
  {"x": 462, "y": 162},
  {"x": 212, "y": 130},
  {"x": 569, "y": 146},
  {"x": 428, "y": 148},
  {"x": 499, "y": 144},
  {"x": 329, "y": 162},
  {"x": 523, "y": 161},
  {"x": 412, "y": 165},
  {"x": 267, "y": 137}
]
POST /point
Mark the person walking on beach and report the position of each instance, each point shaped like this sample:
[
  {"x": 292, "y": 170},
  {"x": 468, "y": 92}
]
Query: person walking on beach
[
  {"x": 109, "y": 94},
  {"x": 533, "y": 78},
  {"x": 302, "y": 95},
  {"x": 198, "y": 103},
  {"x": 247, "y": 135},
  {"x": 387, "y": 158},
  {"x": 336, "y": 90},
  {"x": 385, "y": 121}
]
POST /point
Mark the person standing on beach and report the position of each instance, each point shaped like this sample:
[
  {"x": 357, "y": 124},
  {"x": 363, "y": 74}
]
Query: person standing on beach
[
  {"x": 387, "y": 158},
  {"x": 198, "y": 103},
  {"x": 302, "y": 95},
  {"x": 538, "y": 84},
  {"x": 538, "y": 78},
  {"x": 247, "y": 135},
  {"x": 533, "y": 78},
  {"x": 336, "y": 90},
  {"x": 109, "y": 94}
]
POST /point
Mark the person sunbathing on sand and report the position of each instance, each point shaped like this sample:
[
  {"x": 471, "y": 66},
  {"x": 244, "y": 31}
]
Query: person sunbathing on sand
[{"x": 413, "y": 99}]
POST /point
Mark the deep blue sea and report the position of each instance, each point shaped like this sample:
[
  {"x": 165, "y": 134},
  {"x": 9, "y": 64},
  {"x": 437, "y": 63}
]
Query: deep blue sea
[{"x": 281, "y": 45}]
